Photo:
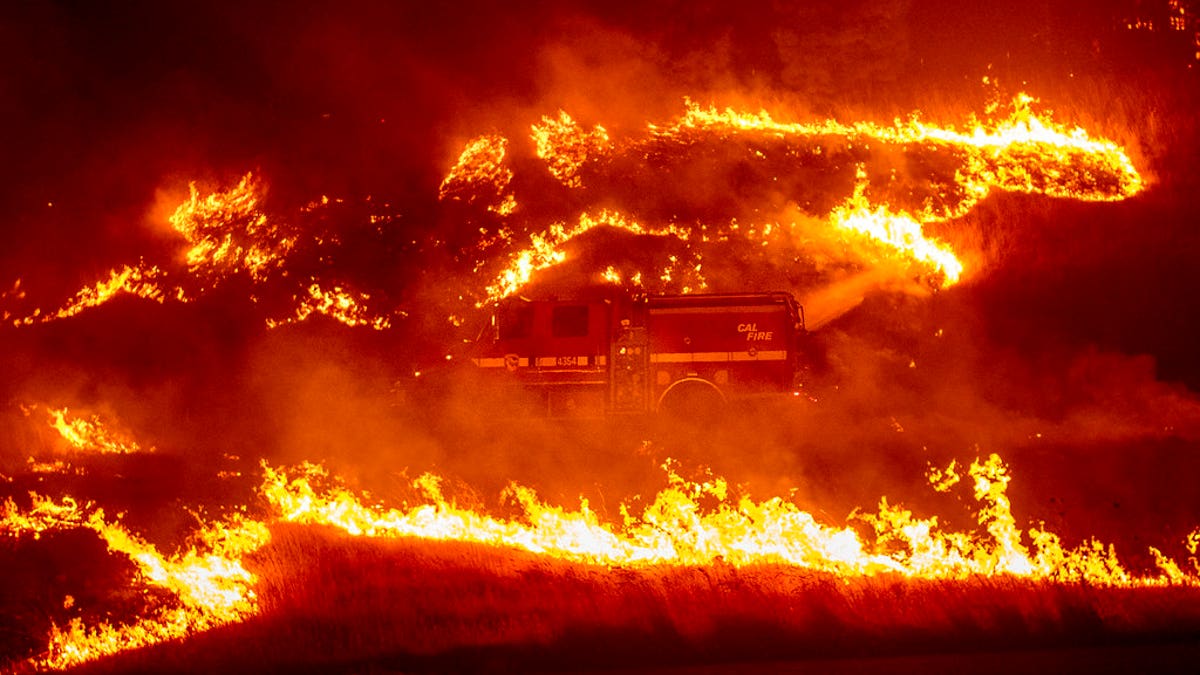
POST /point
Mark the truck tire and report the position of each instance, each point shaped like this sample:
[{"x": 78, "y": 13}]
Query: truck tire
[{"x": 692, "y": 399}]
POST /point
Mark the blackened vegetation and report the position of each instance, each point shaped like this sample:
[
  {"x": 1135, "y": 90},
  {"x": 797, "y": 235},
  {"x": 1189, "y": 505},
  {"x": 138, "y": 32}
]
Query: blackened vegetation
[{"x": 58, "y": 577}]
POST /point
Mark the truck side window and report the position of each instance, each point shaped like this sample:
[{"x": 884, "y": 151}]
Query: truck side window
[
  {"x": 516, "y": 322},
  {"x": 569, "y": 321}
]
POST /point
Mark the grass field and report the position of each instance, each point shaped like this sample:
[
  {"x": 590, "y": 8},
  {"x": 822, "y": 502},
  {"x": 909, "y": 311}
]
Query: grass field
[
  {"x": 335, "y": 603},
  {"x": 327, "y": 601}
]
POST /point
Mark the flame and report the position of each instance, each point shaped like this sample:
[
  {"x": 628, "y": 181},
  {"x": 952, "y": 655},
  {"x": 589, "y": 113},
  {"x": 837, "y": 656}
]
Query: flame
[
  {"x": 58, "y": 467},
  {"x": 688, "y": 523},
  {"x": 1024, "y": 151},
  {"x": 481, "y": 169},
  {"x": 141, "y": 281},
  {"x": 208, "y": 581},
  {"x": 90, "y": 434},
  {"x": 338, "y": 304},
  {"x": 566, "y": 147},
  {"x": 228, "y": 232},
  {"x": 680, "y": 528},
  {"x": 44, "y": 514},
  {"x": 943, "y": 479},
  {"x": 546, "y": 249},
  {"x": 506, "y": 206},
  {"x": 898, "y": 231}
]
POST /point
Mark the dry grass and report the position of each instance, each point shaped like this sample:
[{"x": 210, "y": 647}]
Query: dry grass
[{"x": 334, "y": 603}]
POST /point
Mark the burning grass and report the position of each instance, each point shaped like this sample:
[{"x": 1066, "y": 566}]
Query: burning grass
[
  {"x": 346, "y": 586},
  {"x": 336, "y": 603},
  {"x": 666, "y": 581}
]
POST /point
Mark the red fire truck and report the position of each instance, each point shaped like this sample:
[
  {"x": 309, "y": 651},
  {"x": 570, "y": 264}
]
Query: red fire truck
[{"x": 685, "y": 354}]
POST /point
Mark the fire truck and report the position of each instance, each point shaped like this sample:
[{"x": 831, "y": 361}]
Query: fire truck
[{"x": 672, "y": 354}]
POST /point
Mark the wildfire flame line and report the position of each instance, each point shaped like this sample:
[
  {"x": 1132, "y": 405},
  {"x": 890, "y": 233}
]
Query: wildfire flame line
[
  {"x": 546, "y": 249},
  {"x": 226, "y": 233},
  {"x": 688, "y": 523},
  {"x": 1023, "y": 152},
  {"x": 141, "y": 281},
  {"x": 677, "y": 530},
  {"x": 208, "y": 580},
  {"x": 90, "y": 434},
  {"x": 338, "y": 304}
]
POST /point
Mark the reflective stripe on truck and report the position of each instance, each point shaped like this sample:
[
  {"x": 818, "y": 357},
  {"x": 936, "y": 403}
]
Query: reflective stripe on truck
[{"x": 718, "y": 357}]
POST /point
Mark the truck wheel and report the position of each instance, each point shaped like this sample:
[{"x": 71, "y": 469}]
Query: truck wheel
[{"x": 694, "y": 401}]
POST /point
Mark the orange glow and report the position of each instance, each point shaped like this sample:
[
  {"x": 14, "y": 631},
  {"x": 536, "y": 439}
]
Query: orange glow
[
  {"x": 688, "y": 523},
  {"x": 227, "y": 232}
]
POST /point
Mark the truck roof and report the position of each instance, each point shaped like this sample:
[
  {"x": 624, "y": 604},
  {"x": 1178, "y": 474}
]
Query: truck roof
[
  {"x": 721, "y": 299},
  {"x": 684, "y": 302}
]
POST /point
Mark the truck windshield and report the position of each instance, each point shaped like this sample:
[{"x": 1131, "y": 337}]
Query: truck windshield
[{"x": 516, "y": 322}]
